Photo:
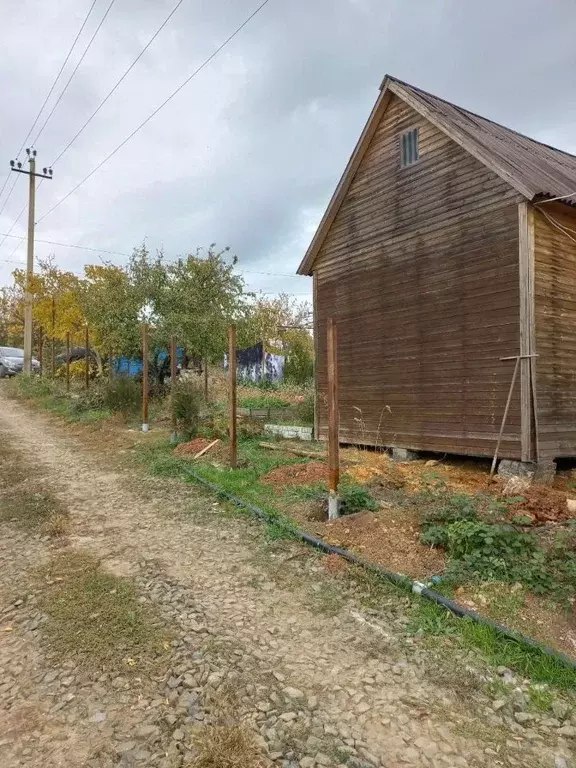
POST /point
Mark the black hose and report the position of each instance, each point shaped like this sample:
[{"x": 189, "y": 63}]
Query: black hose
[{"x": 396, "y": 578}]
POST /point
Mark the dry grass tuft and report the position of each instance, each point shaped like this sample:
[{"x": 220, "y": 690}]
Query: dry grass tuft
[
  {"x": 95, "y": 618},
  {"x": 227, "y": 745},
  {"x": 57, "y": 525}
]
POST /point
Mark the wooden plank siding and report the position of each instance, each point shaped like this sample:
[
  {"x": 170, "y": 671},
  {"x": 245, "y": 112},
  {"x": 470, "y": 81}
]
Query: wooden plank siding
[
  {"x": 555, "y": 311},
  {"x": 420, "y": 269}
]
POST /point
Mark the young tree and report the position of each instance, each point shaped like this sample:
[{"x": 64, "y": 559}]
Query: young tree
[
  {"x": 201, "y": 298},
  {"x": 111, "y": 307},
  {"x": 55, "y": 295}
]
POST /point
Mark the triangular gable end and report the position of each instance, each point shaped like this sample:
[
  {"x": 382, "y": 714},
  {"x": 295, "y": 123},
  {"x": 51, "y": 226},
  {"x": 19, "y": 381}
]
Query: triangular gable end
[{"x": 389, "y": 87}]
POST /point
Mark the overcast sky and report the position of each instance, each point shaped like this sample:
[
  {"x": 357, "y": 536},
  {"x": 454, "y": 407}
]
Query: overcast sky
[{"x": 249, "y": 152}]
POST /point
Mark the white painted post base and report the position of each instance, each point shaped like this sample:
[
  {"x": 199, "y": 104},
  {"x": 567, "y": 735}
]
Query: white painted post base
[
  {"x": 144, "y": 427},
  {"x": 333, "y": 506}
]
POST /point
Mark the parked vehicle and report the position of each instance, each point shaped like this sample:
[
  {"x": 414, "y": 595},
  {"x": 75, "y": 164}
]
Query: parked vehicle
[{"x": 12, "y": 362}]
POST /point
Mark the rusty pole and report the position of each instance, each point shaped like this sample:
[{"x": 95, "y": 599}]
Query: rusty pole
[
  {"x": 40, "y": 349},
  {"x": 53, "y": 369},
  {"x": 333, "y": 441},
  {"x": 86, "y": 357},
  {"x": 232, "y": 396},
  {"x": 144, "y": 377},
  {"x": 173, "y": 374},
  {"x": 67, "y": 361},
  {"x": 206, "y": 379}
]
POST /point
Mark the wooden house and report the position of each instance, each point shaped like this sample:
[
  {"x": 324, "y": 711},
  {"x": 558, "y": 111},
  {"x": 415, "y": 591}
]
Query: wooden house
[{"x": 449, "y": 244}]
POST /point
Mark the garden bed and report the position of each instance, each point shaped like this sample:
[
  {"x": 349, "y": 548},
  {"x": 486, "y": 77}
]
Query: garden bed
[{"x": 395, "y": 507}]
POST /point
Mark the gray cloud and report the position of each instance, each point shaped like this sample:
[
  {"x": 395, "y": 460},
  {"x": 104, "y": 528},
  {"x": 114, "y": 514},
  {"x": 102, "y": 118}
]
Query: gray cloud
[{"x": 249, "y": 152}]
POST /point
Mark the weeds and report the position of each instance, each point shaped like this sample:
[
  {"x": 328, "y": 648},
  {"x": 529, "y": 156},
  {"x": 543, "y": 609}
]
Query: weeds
[
  {"x": 353, "y": 497},
  {"x": 186, "y": 401},
  {"x": 123, "y": 395}
]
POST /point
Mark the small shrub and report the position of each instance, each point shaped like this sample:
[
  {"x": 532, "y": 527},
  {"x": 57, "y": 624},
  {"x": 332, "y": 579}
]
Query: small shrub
[
  {"x": 306, "y": 408},
  {"x": 299, "y": 366},
  {"x": 451, "y": 509},
  {"x": 92, "y": 399},
  {"x": 435, "y": 536},
  {"x": 355, "y": 498},
  {"x": 123, "y": 395},
  {"x": 186, "y": 402},
  {"x": 250, "y": 428}
]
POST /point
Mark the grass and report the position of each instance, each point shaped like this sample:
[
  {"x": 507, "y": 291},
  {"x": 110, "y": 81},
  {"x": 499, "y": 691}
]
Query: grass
[
  {"x": 326, "y": 598},
  {"x": 262, "y": 401},
  {"x": 95, "y": 619},
  {"x": 50, "y": 395},
  {"x": 24, "y": 502},
  {"x": 497, "y": 650}
]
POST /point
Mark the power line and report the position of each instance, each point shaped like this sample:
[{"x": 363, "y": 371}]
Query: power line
[
  {"x": 48, "y": 96},
  {"x": 13, "y": 225},
  {"x": 67, "y": 245},
  {"x": 155, "y": 112},
  {"x": 8, "y": 195},
  {"x": 58, "y": 100},
  {"x": 123, "y": 253},
  {"x": 126, "y": 73}
]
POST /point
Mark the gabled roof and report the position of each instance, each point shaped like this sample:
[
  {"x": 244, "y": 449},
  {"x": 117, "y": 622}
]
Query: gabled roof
[{"x": 535, "y": 170}]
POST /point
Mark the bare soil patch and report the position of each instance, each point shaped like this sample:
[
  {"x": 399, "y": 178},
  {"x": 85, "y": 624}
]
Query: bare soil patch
[
  {"x": 192, "y": 447},
  {"x": 389, "y": 538},
  {"x": 298, "y": 474}
]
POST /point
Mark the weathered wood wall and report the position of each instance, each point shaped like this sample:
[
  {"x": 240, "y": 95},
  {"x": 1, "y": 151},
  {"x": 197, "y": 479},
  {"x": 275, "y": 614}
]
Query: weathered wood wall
[
  {"x": 420, "y": 269},
  {"x": 555, "y": 311}
]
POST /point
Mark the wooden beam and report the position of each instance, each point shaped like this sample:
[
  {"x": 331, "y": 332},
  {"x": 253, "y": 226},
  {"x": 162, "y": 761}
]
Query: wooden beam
[
  {"x": 527, "y": 333},
  {"x": 232, "y": 396}
]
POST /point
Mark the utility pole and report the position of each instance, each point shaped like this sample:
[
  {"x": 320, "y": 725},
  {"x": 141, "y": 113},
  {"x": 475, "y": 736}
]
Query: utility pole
[{"x": 16, "y": 166}]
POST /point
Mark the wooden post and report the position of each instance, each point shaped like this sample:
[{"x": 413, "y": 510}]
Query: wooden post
[
  {"x": 68, "y": 361},
  {"x": 53, "y": 367},
  {"x": 144, "y": 377},
  {"x": 41, "y": 350},
  {"x": 206, "y": 379},
  {"x": 173, "y": 373},
  {"x": 86, "y": 357},
  {"x": 333, "y": 421},
  {"x": 232, "y": 395}
]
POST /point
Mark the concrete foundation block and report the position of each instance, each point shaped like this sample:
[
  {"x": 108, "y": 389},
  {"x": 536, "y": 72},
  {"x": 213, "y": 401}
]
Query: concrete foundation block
[
  {"x": 404, "y": 454},
  {"x": 544, "y": 472},
  {"x": 289, "y": 432},
  {"x": 539, "y": 472}
]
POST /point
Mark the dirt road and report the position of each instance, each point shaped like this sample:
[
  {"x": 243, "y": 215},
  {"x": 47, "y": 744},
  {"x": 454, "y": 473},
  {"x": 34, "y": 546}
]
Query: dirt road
[{"x": 259, "y": 639}]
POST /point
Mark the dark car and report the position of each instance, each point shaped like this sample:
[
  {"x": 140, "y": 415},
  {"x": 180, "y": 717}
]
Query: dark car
[{"x": 12, "y": 362}]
